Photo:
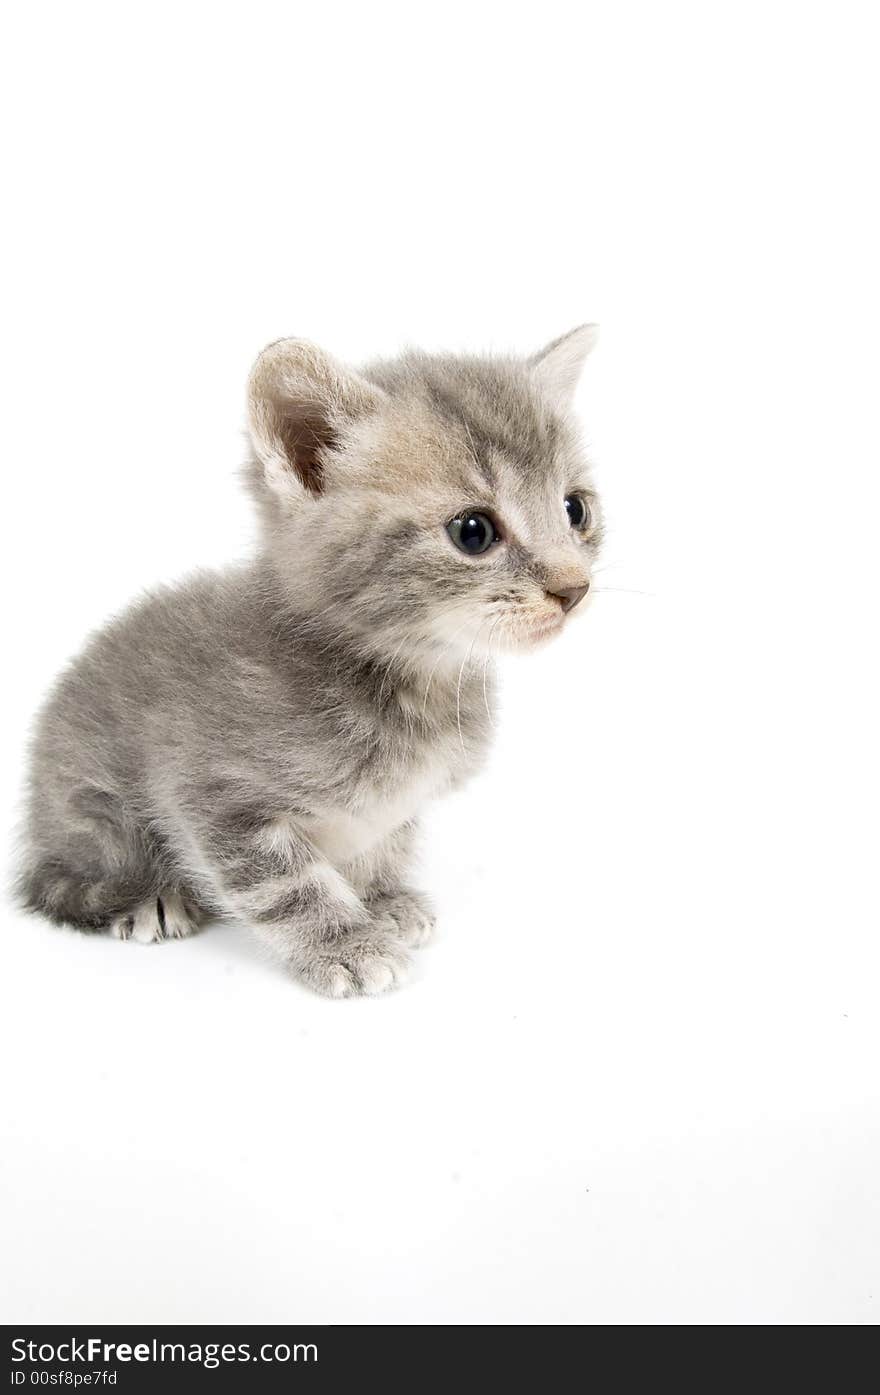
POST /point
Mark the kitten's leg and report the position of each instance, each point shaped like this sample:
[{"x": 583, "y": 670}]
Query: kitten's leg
[
  {"x": 86, "y": 862},
  {"x": 270, "y": 875},
  {"x": 381, "y": 877},
  {"x": 410, "y": 911}
]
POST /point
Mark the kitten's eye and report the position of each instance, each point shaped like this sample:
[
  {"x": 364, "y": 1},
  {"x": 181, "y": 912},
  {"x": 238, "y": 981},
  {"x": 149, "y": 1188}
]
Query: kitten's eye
[
  {"x": 473, "y": 532},
  {"x": 579, "y": 512}
]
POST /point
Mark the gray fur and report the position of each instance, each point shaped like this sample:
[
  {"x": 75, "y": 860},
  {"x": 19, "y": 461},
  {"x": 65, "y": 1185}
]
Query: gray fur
[{"x": 257, "y": 742}]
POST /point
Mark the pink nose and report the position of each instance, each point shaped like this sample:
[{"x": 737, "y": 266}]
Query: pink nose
[{"x": 569, "y": 595}]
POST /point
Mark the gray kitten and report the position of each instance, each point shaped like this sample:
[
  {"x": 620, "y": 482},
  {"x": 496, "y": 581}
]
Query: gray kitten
[{"x": 259, "y": 741}]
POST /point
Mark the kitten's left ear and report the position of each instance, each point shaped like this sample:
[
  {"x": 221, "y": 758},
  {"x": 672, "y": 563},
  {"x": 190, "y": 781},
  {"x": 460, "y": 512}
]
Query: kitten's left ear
[
  {"x": 299, "y": 401},
  {"x": 557, "y": 367}
]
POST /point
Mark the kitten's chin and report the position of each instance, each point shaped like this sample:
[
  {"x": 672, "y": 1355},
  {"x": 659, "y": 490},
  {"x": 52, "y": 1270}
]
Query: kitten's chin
[{"x": 527, "y": 636}]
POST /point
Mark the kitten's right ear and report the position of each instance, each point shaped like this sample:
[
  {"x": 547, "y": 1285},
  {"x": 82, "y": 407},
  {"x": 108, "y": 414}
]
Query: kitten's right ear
[
  {"x": 299, "y": 399},
  {"x": 558, "y": 365}
]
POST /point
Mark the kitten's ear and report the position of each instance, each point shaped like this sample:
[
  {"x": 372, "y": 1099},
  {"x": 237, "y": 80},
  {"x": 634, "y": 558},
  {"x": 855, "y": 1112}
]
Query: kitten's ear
[
  {"x": 557, "y": 367},
  {"x": 299, "y": 399}
]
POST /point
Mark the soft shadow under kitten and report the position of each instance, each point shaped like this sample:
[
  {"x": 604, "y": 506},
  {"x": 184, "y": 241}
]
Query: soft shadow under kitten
[{"x": 258, "y": 742}]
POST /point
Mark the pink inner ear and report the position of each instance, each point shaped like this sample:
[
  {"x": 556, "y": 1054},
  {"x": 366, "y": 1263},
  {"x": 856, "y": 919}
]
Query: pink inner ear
[{"x": 304, "y": 433}]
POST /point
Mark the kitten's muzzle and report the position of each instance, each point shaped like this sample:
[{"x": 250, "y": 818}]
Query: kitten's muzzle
[{"x": 568, "y": 595}]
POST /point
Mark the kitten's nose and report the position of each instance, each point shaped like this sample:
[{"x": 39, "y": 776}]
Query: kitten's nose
[{"x": 569, "y": 595}]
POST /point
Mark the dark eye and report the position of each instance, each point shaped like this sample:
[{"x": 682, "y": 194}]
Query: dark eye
[
  {"x": 578, "y": 510},
  {"x": 472, "y": 532}
]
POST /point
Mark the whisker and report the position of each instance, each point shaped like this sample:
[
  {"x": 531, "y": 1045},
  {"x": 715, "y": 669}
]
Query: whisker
[
  {"x": 471, "y": 443},
  {"x": 464, "y": 661},
  {"x": 607, "y": 566},
  {"x": 445, "y": 650},
  {"x": 388, "y": 669},
  {"x": 496, "y": 622},
  {"x": 626, "y": 591}
]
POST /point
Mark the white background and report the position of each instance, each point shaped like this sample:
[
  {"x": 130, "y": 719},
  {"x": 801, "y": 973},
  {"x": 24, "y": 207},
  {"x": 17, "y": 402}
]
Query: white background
[{"x": 636, "y": 1078}]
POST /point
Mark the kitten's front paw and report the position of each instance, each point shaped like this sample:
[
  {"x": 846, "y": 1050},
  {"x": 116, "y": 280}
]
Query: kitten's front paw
[
  {"x": 370, "y": 959},
  {"x": 410, "y": 912},
  {"x": 168, "y": 917}
]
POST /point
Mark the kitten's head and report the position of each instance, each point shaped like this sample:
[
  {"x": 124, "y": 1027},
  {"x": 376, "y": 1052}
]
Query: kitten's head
[{"x": 435, "y": 502}]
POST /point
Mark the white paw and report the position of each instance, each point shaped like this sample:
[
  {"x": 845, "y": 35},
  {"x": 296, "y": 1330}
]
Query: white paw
[
  {"x": 165, "y": 918},
  {"x": 362, "y": 962},
  {"x": 180, "y": 919},
  {"x": 370, "y": 974}
]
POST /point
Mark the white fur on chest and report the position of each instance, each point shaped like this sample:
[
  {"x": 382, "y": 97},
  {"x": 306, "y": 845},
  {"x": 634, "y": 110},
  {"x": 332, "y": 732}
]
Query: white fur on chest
[{"x": 344, "y": 835}]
